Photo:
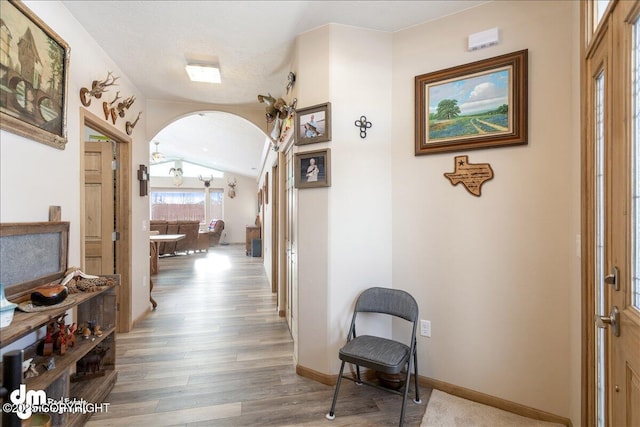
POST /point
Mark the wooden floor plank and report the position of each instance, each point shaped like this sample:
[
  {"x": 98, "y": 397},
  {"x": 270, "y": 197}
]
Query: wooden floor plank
[{"x": 216, "y": 353}]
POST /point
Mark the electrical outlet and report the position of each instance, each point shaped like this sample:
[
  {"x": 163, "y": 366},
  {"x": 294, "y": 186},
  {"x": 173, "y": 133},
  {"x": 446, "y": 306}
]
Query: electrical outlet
[{"x": 425, "y": 328}]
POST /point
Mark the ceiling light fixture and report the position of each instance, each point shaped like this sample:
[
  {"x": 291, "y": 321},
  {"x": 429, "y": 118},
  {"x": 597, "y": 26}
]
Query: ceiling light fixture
[
  {"x": 203, "y": 73},
  {"x": 156, "y": 156}
]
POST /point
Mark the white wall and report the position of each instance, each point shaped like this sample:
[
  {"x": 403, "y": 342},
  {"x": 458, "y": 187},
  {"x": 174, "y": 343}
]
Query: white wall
[
  {"x": 34, "y": 176},
  {"x": 344, "y": 233},
  {"x": 498, "y": 275}
]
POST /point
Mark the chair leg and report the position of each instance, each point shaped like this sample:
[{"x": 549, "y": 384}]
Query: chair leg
[
  {"x": 406, "y": 393},
  {"x": 359, "y": 380},
  {"x": 331, "y": 415},
  {"x": 415, "y": 377}
]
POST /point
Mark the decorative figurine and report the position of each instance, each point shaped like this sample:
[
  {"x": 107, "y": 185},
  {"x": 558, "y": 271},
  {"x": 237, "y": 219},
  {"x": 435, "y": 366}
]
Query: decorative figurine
[
  {"x": 97, "y": 331},
  {"x": 71, "y": 335},
  {"x": 51, "y": 364},
  {"x": 86, "y": 333}
]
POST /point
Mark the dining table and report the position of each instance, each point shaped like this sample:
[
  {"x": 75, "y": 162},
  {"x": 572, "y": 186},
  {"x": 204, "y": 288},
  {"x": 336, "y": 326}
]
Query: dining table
[{"x": 155, "y": 240}]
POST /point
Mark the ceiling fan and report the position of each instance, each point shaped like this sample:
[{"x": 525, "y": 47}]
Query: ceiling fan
[{"x": 156, "y": 156}]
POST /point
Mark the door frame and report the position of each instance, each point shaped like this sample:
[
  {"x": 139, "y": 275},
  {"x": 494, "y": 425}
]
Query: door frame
[
  {"x": 122, "y": 208},
  {"x": 609, "y": 34}
]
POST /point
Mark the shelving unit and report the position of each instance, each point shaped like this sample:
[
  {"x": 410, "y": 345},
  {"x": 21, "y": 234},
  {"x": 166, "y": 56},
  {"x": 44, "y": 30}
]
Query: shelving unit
[
  {"x": 34, "y": 254},
  {"x": 97, "y": 306}
]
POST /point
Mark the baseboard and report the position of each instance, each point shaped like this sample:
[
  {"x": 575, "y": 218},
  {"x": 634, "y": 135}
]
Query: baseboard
[
  {"x": 316, "y": 376},
  {"x": 495, "y": 402},
  {"x": 326, "y": 379},
  {"x": 455, "y": 390},
  {"x": 139, "y": 318}
]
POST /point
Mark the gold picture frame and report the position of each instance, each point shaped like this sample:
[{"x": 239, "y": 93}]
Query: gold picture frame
[{"x": 34, "y": 77}]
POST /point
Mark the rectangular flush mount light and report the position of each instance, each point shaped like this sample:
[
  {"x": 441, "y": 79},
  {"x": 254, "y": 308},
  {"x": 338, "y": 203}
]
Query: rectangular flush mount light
[{"x": 203, "y": 73}]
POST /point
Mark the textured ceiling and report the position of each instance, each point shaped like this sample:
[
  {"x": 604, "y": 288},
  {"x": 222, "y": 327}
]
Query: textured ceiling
[{"x": 252, "y": 41}]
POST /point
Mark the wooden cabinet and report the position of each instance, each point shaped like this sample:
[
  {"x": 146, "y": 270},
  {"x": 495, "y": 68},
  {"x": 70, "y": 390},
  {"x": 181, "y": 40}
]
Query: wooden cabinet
[
  {"x": 98, "y": 307},
  {"x": 252, "y": 233}
]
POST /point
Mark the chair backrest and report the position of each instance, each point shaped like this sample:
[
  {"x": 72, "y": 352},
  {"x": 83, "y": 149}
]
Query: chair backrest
[{"x": 388, "y": 301}]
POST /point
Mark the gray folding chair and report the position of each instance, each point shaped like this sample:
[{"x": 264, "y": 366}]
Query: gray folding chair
[{"x": 377, "y": 353}]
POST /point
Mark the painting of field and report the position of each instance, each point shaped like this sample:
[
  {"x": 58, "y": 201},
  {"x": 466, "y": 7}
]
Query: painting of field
[{"x": 473, "y": 106}]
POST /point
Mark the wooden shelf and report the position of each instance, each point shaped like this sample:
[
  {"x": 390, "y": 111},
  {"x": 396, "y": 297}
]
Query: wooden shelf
[
  {"x": 25, "y": 323},
  {"x": 100, "y": 307}
]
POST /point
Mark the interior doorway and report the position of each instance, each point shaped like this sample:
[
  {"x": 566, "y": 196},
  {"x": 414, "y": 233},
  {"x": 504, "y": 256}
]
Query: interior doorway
[{"x": 105, "y": 207}]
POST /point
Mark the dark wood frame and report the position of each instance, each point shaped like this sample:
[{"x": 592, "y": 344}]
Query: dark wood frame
[
  {"x": 516, "y": 134},
  {"x": 16, "y": 290},
  {"x": 20, "y": 123},
  {"x": 300, "y": 182},
  {"x": 302, "y": 112}
]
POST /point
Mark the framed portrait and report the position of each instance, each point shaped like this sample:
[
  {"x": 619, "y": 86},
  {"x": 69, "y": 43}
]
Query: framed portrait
[
  {"x": 34, "y": 62},
  {"x": 477, "y": 105},
  {"x": 313, "y": 124},
  {"x": 313, "y": 169}
]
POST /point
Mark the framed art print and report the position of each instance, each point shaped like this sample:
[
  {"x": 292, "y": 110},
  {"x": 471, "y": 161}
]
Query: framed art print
[{"x": 477, "y": 105}]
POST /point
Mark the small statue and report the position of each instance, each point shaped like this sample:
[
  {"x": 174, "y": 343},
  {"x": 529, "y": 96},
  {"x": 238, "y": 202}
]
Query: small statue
[
  {"x": 32, "y": 371},
  {"x": 26, "y": 364},
  {"x": 71, "y": 335},
  {"x": 97, "y": 331},
  {"x": 86, "y": 333},
  {"x": 51, "y": 364}
]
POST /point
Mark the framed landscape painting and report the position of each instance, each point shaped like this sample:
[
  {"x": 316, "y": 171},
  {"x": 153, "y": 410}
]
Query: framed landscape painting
[
  {"x": 477, "y": 105},
  {"x": 34, "y": 63}
]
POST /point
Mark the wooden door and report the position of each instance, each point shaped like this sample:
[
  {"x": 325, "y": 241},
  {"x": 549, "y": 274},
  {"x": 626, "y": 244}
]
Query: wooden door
[
  {"x": 612, "y": 213},
  {"x": 275, "y": 238},
  {"x": 99, "y": 208},
  {"x": 291, "y": 296},
  {"x": 118, "y": 211},
  {"x": 624, "y": 210}
]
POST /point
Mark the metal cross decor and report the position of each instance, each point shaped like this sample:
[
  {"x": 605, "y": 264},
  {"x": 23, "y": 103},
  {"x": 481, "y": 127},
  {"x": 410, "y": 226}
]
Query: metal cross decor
[{"x": 363, "y": 124}]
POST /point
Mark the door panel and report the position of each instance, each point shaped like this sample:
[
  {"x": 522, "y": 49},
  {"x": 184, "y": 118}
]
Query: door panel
[
  {"x": 99, "y": 208},
  {"x": 290, "y": 242},
  {"x": 612, "y": 219},
  {"x": 625, "y": 349}
]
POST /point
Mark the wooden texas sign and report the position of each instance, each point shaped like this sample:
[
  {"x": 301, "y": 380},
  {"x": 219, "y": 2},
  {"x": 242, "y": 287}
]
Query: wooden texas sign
[{"x": 472, "y": 176}]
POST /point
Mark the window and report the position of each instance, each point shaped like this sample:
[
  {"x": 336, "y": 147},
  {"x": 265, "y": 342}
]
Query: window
[
  {"x": 171, "y": 204},
  {"x": 202, "y": 205},
  {"x": 215, "y": 204},
  {"x": 600, "y": 6}
]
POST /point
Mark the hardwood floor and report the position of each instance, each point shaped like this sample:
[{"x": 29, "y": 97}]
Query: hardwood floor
[{"x": 215, "y": 353}]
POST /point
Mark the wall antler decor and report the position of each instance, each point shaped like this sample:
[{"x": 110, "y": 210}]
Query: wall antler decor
[
  {"x": 177, "y": 175},
  {"x": 232, "y": 188},
  {"x": 129, "y": 126},
  {"x": 98, "y": 87},
  {"x": 207, "y": 181}
]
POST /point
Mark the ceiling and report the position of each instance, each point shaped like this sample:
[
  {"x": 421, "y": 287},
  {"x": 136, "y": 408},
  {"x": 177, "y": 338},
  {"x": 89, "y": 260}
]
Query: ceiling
[{"x": 251, "y": 41}]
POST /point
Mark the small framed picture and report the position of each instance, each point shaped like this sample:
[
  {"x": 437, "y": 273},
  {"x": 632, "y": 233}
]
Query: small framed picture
[
  {"x": 313, "y": 124},
  {"x": 313, "y": 169}
]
